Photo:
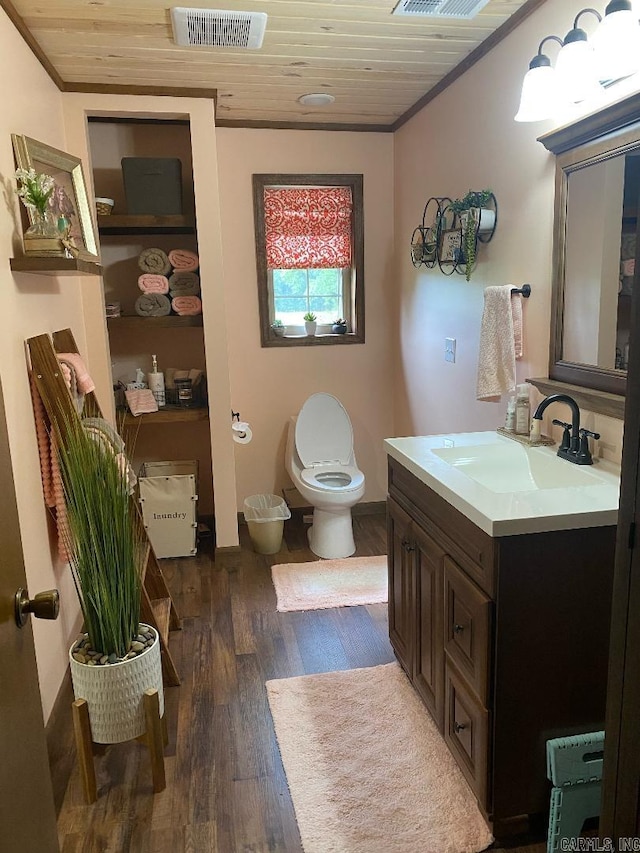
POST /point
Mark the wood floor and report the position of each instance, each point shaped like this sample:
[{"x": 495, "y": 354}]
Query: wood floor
[{"x": 226, "y": 789}]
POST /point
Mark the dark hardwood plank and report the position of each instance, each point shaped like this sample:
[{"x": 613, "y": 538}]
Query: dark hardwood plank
[{"x": 226, "y": 788}]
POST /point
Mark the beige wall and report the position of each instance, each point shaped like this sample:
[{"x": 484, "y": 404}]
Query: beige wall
[
  {"x": 269, "y": 385},
  {"x": 33, "y": 305},
  {"x": 467, "y": 138}
]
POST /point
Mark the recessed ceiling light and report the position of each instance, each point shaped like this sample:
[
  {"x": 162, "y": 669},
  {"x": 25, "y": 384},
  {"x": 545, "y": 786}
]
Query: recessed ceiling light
[{"x": 316, "y": 99}]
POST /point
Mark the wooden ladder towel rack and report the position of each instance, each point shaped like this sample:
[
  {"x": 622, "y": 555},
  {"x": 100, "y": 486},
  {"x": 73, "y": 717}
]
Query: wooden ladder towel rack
[{"x": 156, "y": 608}]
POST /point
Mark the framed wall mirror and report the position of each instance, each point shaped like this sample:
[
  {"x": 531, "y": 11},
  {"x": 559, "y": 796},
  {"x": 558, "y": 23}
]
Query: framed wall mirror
[{"x": 596, "y": 248}]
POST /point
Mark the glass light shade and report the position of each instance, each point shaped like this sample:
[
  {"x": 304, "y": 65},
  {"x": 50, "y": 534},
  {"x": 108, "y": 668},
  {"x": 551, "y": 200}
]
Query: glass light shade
[
  {"x": 539, "y": 99},
  {"x": 616, "y": 44},
  {"x": 577, "y": 71}
]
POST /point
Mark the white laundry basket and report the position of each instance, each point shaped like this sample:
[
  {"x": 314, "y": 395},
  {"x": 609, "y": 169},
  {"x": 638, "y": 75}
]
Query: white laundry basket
[
  {"x": 168, "y": 497},
  {"x": 265, "y": 516}
]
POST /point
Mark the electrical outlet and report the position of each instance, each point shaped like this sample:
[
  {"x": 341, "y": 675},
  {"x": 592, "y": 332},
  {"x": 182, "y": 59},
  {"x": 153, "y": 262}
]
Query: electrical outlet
[{"x": 450, "y": 349}]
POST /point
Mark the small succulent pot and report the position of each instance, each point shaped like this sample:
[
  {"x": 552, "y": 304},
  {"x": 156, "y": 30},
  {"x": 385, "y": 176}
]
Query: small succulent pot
[
  {"x": 278, "y": 331},
  {"x": 310, "y": 327},
  {"x": 339, "y": 328}
]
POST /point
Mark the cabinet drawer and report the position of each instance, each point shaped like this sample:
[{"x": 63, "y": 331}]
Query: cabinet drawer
[
  {"x": 467, "y": 627},
  {"x": 466, "y": 731}
]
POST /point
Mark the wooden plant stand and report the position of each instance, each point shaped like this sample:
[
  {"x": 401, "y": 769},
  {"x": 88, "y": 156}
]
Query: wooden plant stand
[{"x": 155, "y": 738}]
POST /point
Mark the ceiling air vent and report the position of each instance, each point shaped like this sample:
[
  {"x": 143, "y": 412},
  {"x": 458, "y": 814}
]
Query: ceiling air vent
[
  {"x": 465, "y": 9},
  {"x": 216, "y": 28}
]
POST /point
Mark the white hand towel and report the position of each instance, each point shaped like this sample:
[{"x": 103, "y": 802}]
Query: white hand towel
[{"x": 500, "y": 343}]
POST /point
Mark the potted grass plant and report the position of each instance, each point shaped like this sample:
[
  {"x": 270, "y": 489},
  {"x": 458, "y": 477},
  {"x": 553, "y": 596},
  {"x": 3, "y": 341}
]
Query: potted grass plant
[
  {"x": 117, "y": 658},
  {"x": 310, "y": 323},
  {"x": 474, "y": 217}
]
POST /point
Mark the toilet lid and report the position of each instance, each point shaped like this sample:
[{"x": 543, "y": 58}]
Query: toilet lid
[{"x": 323, "y": 431}]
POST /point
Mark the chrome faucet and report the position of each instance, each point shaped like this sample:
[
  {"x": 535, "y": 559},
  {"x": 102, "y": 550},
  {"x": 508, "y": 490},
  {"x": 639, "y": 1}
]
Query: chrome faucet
[{"x": 575, "y": 441}]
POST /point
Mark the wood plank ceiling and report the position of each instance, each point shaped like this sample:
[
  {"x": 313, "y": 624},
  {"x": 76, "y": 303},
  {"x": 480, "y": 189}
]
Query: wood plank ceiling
[{"x": 378, "y": 67}]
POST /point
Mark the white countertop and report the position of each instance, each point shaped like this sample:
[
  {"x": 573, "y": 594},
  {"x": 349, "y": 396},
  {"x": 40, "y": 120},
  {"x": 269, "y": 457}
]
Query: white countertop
[{"x": 529, "y": 507}]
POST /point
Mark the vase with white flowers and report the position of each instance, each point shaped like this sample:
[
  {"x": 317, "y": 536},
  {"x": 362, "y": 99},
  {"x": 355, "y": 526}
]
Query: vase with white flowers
[{"x": 35, "y": 190}]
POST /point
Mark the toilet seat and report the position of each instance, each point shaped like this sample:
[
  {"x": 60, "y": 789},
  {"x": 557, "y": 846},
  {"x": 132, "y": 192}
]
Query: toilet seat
[
  {"x": 333, "y": 477},
  {"x": 324, "y": 435}
]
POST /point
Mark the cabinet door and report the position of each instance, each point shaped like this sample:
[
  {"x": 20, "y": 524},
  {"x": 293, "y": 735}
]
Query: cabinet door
[
  {"x": 429, "y": 658},
  {"x": 402, "y": 600}
]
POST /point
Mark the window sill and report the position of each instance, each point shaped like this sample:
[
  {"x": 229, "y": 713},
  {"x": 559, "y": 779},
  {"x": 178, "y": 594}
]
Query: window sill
[{"x": 329, "y": 339}]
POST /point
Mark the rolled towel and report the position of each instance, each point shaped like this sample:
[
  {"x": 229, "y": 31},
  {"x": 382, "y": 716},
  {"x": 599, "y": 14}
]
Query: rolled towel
[
  {"x": 141, "y": 401},
  {"x": 183, "y": 260},
  {"x": 187, "y": 305},
  {"x": 73, "y": 360},
  {"x": 153, "y": 305},
  {"x": 184, "y": 284},
  {"x": 154, "y": 261},
  {"x": 151, "y": 283}
]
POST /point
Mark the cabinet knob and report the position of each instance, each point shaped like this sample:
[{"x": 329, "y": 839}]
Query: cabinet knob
[
  {"x": 458, "y": 727},
  {"x": 458, "y": 629},
  {"x": 406, "y": 544}
]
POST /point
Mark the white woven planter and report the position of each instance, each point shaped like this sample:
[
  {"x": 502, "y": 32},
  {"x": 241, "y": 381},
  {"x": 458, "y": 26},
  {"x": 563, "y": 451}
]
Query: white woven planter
[{"x": 114, "y": 692}]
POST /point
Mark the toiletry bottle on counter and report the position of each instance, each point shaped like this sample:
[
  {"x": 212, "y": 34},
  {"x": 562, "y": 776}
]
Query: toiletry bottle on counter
[
  {"x": 510, "y": 419},
  {"x": 523, "y": 410},
  {"x": 156, "y": 382}
]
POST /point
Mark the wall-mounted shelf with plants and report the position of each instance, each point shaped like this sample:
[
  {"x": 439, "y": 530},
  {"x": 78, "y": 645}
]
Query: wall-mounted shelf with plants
[{"x": 451, "y": 230}]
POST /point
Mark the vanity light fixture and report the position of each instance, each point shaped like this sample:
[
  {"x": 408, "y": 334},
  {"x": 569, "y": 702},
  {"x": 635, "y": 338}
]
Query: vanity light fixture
[
  {"x": 617, "y": 41},
  {"x": 583, "y": 65},
  {"x": 577, "y": 66},
  {"x": 540, "y": 95},
  {"x": 316, "y": 99}
]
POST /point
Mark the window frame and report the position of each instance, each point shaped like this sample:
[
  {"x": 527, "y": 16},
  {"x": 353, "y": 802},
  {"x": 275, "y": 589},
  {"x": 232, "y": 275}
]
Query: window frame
[{"x": 356, "y": 335}]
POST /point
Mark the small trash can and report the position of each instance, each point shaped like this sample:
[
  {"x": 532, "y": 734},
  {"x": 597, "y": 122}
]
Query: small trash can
[{"x": 265, "y": 516}]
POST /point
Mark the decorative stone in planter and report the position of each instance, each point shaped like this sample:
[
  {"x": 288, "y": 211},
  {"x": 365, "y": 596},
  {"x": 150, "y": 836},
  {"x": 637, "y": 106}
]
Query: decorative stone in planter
[{"x": 114, "y": 690}]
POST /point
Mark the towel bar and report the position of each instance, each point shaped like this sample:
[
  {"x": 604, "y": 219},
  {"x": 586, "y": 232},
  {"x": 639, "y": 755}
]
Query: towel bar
[{"x": 524, "y": 291}]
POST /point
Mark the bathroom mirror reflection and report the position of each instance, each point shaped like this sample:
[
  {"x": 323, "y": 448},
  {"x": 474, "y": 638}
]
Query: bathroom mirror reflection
[
  {"x": 595, "y": 246},
  {"x": 602, "y": 216}
]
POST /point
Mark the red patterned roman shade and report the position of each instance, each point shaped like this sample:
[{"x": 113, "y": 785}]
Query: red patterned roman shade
[{"x": 308, "y": 227}]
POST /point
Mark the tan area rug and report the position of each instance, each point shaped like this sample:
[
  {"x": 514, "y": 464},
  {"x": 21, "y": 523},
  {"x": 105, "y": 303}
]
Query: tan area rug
[
  {"x": 367, "y": 769},
  {"x": 330, "y": 583}
]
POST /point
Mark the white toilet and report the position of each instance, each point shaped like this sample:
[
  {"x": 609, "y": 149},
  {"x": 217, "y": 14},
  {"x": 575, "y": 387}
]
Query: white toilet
[{"x": 321, "y": 462}]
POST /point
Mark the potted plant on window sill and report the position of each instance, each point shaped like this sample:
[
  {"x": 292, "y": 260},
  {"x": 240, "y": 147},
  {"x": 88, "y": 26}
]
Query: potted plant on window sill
[
  {"x": 339, "y": 327},
  {"x": 278, "y": 328},
  {"x": 310, "y": 324},
  {"x": 475, "y": 218},
  {"x": 118, "y": 658}
]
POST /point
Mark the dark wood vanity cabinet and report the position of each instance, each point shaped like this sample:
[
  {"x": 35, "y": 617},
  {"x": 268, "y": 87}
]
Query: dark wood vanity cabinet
[{"x": 505, "y": 639}]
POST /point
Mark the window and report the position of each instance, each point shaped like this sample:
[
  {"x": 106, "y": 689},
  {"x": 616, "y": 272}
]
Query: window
[{"x": 310, "y": 256}]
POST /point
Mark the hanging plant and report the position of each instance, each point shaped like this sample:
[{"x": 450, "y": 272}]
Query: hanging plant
[{"x": 468, "y": 209}]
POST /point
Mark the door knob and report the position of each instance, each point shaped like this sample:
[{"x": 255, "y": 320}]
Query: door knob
[{"x": 46, "y": 605}]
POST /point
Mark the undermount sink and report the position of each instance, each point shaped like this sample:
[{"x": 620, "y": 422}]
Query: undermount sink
[{"x": 512, "y": 467}]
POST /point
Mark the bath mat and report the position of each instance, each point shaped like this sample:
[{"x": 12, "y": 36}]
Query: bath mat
[
  {"x": 367, "y": 768},
  {"x": 330, "y": 583}
]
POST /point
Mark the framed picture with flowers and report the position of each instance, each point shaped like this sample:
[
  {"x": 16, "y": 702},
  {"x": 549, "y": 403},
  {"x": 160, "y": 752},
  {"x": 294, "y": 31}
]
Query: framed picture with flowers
[{"x": 44, "y": 171}]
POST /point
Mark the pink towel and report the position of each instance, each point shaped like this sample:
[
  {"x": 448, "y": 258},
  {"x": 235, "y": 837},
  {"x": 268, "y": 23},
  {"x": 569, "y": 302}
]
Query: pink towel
[
  {"x": 50, "y": 470},
  {"x": 85, "y": 382},
  {"x": 183, "y": 260},
  {"x": 150, "y": 283},
  {"x": 500, "y": 343},
  {"x": 186, "y": 305},
  {"x": 141, "y": 401}
]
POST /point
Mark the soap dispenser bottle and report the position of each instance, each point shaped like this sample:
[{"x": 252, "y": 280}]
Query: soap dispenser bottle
[
  {"x": 523, "y": 410},
  {"x": 156, "y": 382},
  {"x": 510, "y": 419}
]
